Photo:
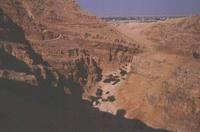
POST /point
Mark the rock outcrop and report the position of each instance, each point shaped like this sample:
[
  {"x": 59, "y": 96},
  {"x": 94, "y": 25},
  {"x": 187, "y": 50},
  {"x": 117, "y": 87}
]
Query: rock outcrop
[
  {"x": 53, "y": 41},
  {"x": 52, "y": 54}
]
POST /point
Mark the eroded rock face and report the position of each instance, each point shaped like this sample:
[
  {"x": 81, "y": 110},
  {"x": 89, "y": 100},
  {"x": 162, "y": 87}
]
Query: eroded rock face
[
  {"x": 60, "y": 53},
  {"x": 52, "y": 52},
  {"x": 41, "y": 38}
]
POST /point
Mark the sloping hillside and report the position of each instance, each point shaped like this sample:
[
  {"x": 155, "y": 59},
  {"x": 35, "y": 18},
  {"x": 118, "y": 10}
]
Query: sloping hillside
[
  {"x": 174, "y": 35},
  {"x": 51, "y": 54},
  {"x": 60, "y": 34},
  {"x": 179, "y": 36},
  {"x": 162, "y": 87}
]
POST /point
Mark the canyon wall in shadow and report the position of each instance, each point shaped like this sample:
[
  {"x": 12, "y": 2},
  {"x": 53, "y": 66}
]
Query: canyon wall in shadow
[{"x": 25, "y": 108}]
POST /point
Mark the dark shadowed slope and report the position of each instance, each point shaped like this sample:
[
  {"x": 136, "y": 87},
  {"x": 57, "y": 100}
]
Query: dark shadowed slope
[
  {"x": 52, "y": 52},
  {"x": 24, "y": 108}
]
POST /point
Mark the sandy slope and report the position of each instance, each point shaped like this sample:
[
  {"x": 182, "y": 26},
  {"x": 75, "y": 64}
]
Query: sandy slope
[
  {"x": 66, "y": 48},
  {"x": 180, "y": 36},
  {"x": 162, "y": 87}
]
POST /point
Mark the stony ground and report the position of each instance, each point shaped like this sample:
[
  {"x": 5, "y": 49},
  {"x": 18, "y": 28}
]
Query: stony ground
[{"x": 162, "y": 86}]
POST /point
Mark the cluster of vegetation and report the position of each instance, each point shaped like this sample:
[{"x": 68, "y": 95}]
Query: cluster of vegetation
[
  {"x": 111, "y": 98},
  {"x": 123, "y": 72},
  {"x": 85, "y": 52},
  {"x": 3, "y": 19},
  {"x": 196, "y": 55},
  {"x": 13, "y": 1},
  {"x": 72, "y": 52},
  {"x": 112, "y": 79},
  {"x": 86, "y": 35},
  {"x": 95, "y": 99},
  {"x": 99, "y": 92},
  {"x": 98, "y": 96}
]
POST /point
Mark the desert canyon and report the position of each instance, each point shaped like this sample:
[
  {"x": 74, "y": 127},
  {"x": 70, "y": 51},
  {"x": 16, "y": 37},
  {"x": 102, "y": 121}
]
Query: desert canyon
[{"x": 63, "y": 70}]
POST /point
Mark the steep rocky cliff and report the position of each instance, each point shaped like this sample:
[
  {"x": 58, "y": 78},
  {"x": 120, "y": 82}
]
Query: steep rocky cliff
[
  {"x": 51, "y": 56},
  {"x": 52, "y": 42}
]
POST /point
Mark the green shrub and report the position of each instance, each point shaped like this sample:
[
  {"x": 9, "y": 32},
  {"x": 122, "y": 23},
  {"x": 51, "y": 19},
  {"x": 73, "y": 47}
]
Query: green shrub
[
  {"x": 99, "y": 92},
  {"x": 111, "y": 98}
]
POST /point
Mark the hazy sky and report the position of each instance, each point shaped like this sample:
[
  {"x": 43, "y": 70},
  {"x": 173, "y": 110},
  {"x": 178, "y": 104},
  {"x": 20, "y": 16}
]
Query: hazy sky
[{"x": 141, "y": 7}]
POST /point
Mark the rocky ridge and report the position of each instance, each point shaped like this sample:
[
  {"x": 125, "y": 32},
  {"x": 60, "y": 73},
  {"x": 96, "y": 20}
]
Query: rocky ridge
[{"x": 51, "y": 56}]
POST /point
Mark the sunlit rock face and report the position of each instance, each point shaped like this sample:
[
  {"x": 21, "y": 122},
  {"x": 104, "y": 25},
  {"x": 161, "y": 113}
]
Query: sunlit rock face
[
  {"x": 53, "y": 55},
  {"x": 53, "y": 41},
  {"x": 163, "y": 88}
]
